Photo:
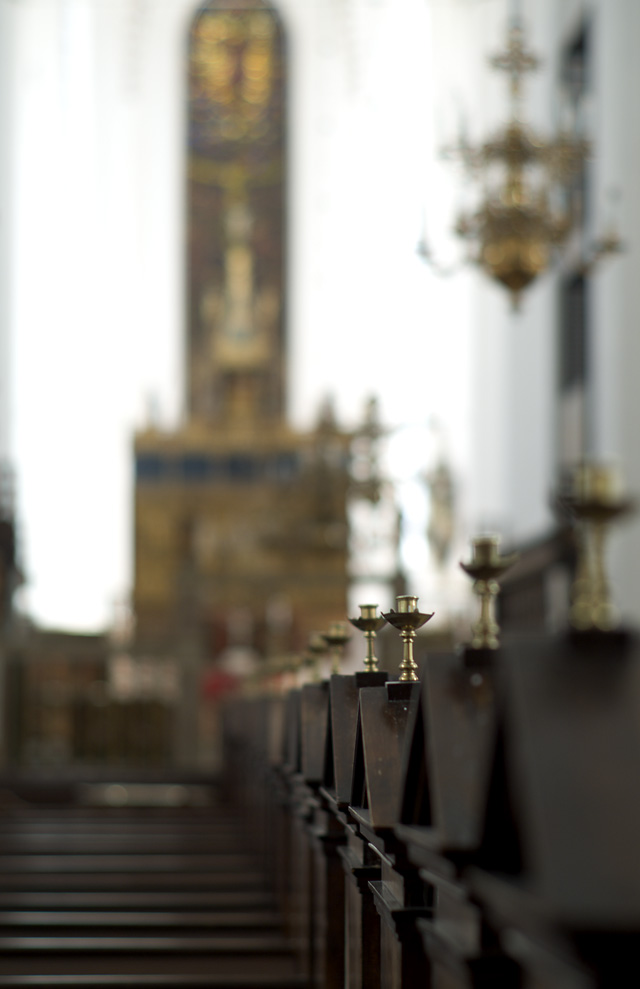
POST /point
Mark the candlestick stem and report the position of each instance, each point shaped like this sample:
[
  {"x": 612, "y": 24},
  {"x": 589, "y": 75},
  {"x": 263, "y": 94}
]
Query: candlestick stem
[
  {"x": 408, "y": 667},
  {"x": 407, "y": 619},
  {"x": 485, "y": 567}
]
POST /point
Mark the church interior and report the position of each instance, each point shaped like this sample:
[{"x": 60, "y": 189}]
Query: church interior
[{"x": 319, "y": 661}]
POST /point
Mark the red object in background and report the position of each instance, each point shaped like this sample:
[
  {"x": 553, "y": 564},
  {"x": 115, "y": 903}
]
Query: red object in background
[{"x": 217, "y": 683}]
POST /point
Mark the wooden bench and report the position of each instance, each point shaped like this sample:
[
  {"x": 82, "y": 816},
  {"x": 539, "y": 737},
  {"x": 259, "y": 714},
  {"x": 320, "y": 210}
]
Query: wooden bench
[{"x": 136, "y": 896}]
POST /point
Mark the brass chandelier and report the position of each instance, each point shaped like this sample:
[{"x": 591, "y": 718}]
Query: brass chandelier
[{"x": 526, "y": 212}]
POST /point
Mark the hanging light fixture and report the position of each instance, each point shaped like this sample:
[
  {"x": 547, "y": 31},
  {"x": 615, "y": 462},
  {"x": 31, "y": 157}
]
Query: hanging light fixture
[{"x": 525, "y": 213}]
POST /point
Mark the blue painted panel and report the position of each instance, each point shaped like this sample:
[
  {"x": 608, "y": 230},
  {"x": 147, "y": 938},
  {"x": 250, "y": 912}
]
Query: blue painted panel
[
  {"x": 152, "y": 467},
  {"x": 202, "y": 468}
]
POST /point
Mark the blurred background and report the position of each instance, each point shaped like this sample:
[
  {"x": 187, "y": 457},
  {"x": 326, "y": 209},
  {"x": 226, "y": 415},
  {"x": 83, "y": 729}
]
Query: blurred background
[{"x": 248, "y": 376}]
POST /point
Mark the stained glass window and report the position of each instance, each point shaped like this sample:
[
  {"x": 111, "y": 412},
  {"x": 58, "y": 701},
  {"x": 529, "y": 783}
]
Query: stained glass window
[{"x": 236, "y": 198}]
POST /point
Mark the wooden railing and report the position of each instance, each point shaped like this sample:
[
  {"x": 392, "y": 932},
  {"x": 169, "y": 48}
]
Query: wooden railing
[{"x": 479, "y": 828}]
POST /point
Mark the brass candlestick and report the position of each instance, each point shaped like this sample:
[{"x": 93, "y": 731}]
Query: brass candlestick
[
  {"x": 485, "y": 567},
  {"x": 336, "y": 638},
  {"x": 369, "y": 622},
  {"x": 316, "y": 648},
  {"x": 596, "y": 499},
  {"x": 407, "y": 619}
]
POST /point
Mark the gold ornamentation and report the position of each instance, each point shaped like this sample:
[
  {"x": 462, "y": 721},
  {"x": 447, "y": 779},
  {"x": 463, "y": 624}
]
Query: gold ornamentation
[
  {"x": 596, "y": 499},
  {"x": 407, "y": 619},
  {"x": 485, "y": 567},
  {"x": 336, "y": 638},
  {"x": 233, "y": 61},
  {"x": 235, "y": 177},
  {"x": 369, "y": 622},
  {"x": 521, "y": 219},
  {"x": 316, "y": 649}
]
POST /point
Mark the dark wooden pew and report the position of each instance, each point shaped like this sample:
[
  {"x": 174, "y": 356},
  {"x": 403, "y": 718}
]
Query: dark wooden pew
[
  {"x": 137, "y": 894},
  {"x": 398, "y": 896},
  {"x": 446, "y": 782},
  {"x": 161, "y": 981},
  {"x": 558, "y": 869},
  {"x": 359, "y": 865}
]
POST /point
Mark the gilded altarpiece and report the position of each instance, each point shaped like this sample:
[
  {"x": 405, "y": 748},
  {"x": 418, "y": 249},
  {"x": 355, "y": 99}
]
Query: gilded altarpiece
[{"x": 241, "y": 530}]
